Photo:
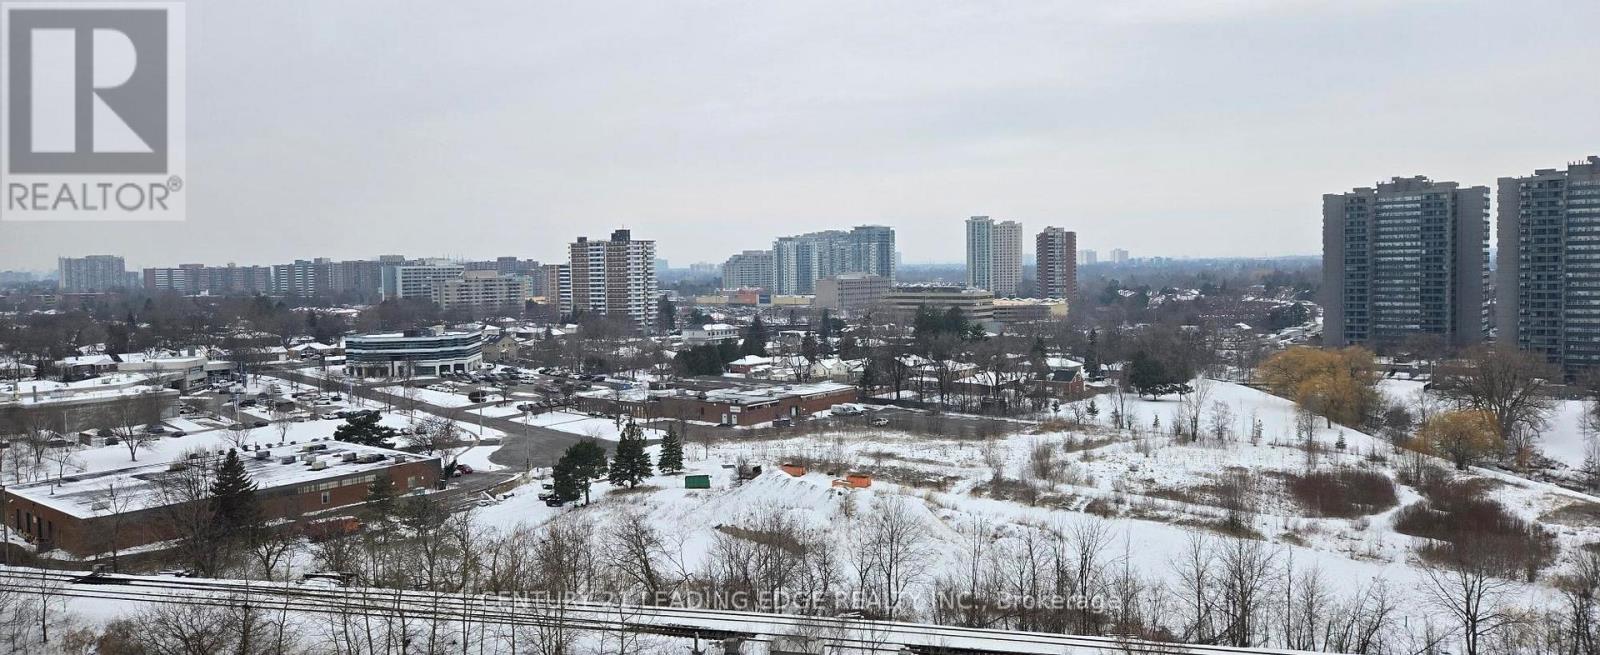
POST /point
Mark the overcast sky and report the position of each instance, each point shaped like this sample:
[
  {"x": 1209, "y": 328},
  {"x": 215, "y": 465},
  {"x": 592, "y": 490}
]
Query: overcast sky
[{"x": 349, "y": 129}]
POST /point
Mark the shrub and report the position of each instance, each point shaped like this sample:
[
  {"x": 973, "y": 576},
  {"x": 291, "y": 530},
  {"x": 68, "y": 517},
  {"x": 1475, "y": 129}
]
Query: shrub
[
  {"x": 1343, "y": 493},
  {"x": 1469, "y": 528}
]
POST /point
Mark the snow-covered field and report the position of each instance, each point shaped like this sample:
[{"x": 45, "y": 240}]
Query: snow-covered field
[
  {"x": 1153, "y": 492},
  {"x": 601, "y": 428}
]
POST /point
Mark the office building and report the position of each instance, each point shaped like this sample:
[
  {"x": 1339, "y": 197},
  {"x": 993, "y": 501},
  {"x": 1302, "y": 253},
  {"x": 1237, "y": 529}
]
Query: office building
[
  {"x": 906, "y": 299},
  {"x": 417, "y": 280},
  {"x": 616, "y": 277},
  {"x": 1409, "y": 257},
  {"x": 751, "y": 269},
  {"x": 1055, "y": 252},
  {"x": 850, "y": 293},
  {"x": 413, "y": 353},
  {"x": 797, "y": 261},
  {"x": 1548, "y": 273},
  {"x": 93, "y": 273}
]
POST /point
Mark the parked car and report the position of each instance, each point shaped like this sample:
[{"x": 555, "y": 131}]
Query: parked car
[
  {"x": 179, "y": 433},
  {"x": 879, "y": 422},
  {"x": 260, "y": 424},
  {"x": 155, "y": 428},
  {"x": 464, "y": 469}
]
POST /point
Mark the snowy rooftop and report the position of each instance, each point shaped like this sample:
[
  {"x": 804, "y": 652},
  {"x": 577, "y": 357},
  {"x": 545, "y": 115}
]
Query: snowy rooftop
[
  {"x": 105, "y": 386},
  {"x": 83, "y": 495}
]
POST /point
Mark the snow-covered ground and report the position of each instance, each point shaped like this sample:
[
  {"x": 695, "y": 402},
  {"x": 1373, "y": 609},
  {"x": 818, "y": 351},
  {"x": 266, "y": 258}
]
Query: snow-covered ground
[
  {"x": 604, "y": 429},
  {"x": 1153, "y": 489}
]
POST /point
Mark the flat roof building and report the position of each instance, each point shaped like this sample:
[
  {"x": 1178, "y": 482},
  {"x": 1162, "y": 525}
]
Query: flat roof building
[
  {"x": 1409, "y": 257},
  {"x": 76, "y": 514},
  {"x": 413, "y": 353},
  {"x": 1548, "y": 278}
]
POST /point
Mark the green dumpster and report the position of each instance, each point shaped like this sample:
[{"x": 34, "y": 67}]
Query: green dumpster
[{"x": 696, "y": 482}]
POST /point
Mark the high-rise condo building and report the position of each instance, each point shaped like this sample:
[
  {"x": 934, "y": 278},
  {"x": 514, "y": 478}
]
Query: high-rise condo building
[
  {"x": 307, "y": 279},
  {"x": 797, "y": 261},
  {"x": 994, "y": 255},
  {"x": 1548, "y": 277},
  {"x": 1055, "y": 250},
  {"x": 193, "y": 279},
  {"x": 747, "y": 270},
  {"x": 616, "y": 277},
  {"x": 1088, "y": 258},
  {"x": 980, "y": 252},
  {"x": 418, "y": 280},
  {"x": 1119, "y": 256},
  {"x": 1408, "y": 258},
  {"x": 92, "y": 273},
  {"x": 481, "y": 290}
]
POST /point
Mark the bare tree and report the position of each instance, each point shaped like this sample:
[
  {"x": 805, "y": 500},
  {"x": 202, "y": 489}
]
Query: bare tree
[
  {"x": 130, "y": 414},
  {"x": 1510, "y": 385},
  {"x": 1468, "y": 591},
  {"x": 891, "y": 547}
]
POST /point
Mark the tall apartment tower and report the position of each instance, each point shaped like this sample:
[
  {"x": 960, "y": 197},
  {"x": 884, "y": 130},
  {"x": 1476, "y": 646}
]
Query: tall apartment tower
[
  {"x": 92, "y": 273},
  {"x": 1119, "y": 256},
  {"x": 994, "y": 255},
  {"x": 1548, "y": 273},
  {"x": 748, "y": 269},
  {"x": 1088, "y": 258},
  {"x": 980, "y": 252},
  {"x": 616, "y": 277},
  {"x": 1056, "y": 252},
  {"x": 797, "y": 261},
  {"x": 1406, "y": 258}
]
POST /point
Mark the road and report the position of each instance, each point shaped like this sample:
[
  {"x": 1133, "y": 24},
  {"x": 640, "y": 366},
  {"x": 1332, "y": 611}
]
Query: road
[{"x": 524, "y": 446}]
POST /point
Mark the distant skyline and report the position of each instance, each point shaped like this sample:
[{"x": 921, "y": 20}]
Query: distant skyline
[{"x": 1166, "y": 127}]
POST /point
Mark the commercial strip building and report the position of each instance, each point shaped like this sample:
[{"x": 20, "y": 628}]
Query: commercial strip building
[
  {"x": 1021, "y": 311},
  {"x": 798, "y": 261},
  {"x": 77, "y": 515},
  {"x": 615, "y": 277},
  {"x": 413, "y": 353},
  {"x": 1548, "y": 273},
  {"x": 742, "y": 403},
  {"x": 1055, "y": 250},
  {"x": 1408, "y": 257},
  {"x": 709, "y": 333},
  {"x": 850, "y": 293},
  {"x": 119, "y": 399}
]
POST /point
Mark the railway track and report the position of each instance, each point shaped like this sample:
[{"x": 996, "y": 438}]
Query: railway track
[{"x": 858, "y": 634}]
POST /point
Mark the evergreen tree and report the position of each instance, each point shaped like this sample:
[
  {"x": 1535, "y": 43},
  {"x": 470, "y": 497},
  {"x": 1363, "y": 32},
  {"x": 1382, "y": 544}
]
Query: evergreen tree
[
  {"x": 1094, "y": 411},
  {"x": 666, "y": 314},
  {"x": 235, "y": 511},
  {"x": 755, "y": 338},
  {"x": 581, "y": 464},
  {"x": 631, "y": 464},
  {"x": 365, "y": 430},
  {"x": 671, "y": 458},
  {"x": 381, "y": 504}
]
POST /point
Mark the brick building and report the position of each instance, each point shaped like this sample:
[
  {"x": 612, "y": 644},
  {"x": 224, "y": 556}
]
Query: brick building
[{"x": 79, "y": 513}]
